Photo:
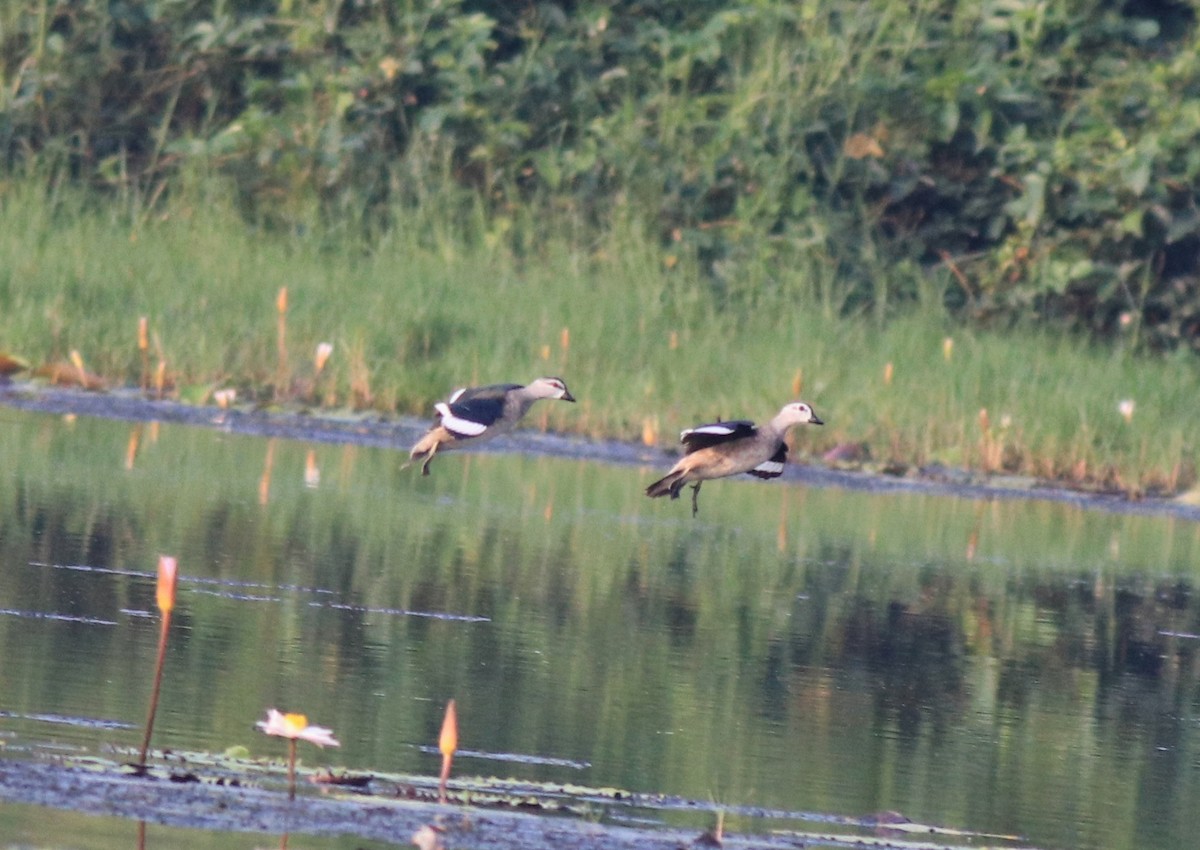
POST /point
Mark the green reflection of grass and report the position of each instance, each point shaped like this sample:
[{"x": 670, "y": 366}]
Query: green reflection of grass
[{"x": 962, "y": 661}]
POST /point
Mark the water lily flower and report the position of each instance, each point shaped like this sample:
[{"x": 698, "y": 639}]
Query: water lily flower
[{"x": 295, "y": 727}]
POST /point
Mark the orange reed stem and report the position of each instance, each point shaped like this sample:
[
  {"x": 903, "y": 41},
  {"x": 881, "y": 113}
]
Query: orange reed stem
[{"x": 158, "y": 669}]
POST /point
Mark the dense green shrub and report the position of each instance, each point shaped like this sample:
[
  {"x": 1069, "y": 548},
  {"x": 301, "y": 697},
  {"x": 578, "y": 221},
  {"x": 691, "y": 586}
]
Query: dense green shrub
[{"x": 1042, "y": 154}]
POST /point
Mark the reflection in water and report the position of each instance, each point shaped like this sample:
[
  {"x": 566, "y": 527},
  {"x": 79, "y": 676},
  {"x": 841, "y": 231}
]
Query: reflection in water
[
  {"x": 264, "y": 483},
  {"x": 1007, "y": 667},
  {"x": 34, "y": 826}
]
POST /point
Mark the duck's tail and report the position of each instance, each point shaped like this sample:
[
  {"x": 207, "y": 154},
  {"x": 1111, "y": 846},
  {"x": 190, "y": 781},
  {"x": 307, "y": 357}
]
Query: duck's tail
[{"x": 669, "y": 485}]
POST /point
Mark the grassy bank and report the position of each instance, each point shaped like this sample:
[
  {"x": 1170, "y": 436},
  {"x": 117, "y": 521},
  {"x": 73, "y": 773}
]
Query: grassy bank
[{"x": 647, "y": 344}]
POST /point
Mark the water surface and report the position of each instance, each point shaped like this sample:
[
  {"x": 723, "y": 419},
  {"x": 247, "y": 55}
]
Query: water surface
[{"x": 1008, "y": 667}]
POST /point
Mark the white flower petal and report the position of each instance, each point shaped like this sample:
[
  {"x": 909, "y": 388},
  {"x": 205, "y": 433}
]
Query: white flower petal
[{"x": 320, "y": 736}]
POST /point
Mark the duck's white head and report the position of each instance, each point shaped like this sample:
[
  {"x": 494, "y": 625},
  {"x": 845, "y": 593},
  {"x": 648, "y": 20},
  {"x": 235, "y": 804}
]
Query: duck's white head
[
  {"x": 797, "y": 413},
  {"x": 549, "y": 388}
]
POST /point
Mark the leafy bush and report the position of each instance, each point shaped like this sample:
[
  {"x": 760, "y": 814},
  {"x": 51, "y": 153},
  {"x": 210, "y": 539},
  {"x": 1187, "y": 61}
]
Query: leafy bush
[{"x": 1042, "y": 154}]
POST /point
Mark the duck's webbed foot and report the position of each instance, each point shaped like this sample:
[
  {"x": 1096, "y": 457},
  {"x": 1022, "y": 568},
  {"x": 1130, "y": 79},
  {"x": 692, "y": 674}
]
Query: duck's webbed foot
[{"x": 428, "y": 459}]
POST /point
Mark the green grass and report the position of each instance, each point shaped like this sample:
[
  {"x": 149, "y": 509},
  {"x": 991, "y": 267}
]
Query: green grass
[{"x": 648, "y": 344}]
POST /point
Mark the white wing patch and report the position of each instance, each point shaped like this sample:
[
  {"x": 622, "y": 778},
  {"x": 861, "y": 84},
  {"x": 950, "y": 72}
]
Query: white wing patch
[
  {"x": 456, "y": 424},
  {"x": 454, "y": 396},
  {"x": 718, "y": 429},
  {"x": 770, "y": 468}
]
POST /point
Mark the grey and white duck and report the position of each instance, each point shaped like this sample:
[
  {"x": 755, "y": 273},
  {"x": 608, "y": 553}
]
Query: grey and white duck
[
  {"x": 473, "y": 415},
  {"x": 721, "y": 449}
]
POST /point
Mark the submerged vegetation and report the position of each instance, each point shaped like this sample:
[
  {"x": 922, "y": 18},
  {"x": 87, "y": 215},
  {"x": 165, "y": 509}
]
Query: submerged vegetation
[{"x": 967, "y": 233}]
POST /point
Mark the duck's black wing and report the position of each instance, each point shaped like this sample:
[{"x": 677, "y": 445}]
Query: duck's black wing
[
  {"x": 716, "y": 433},
  {"x": 471, "y": 411}
]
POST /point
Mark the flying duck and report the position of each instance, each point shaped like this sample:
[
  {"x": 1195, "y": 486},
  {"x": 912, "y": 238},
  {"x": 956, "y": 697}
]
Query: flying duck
[
  {"x": 475, "y": 414},
  {"x": 720, "y": 449}
]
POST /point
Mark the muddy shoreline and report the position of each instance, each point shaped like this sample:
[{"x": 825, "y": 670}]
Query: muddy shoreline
[
  {"x": 398, "y": 433},
  {"x": 239, "y": 808},
  {"x": 400, "y": 813}
]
